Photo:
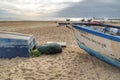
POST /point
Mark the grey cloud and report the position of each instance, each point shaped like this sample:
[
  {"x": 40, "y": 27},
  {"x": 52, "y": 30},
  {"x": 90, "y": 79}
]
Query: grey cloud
[{"x": 90, "y": 8}]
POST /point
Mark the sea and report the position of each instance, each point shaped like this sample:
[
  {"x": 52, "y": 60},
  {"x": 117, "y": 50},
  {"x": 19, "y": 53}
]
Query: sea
[{"x": 55, "y": 18}]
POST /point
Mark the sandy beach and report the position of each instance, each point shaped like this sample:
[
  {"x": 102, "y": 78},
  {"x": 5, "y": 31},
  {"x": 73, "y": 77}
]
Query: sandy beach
[{"x": 72, "y": 64}]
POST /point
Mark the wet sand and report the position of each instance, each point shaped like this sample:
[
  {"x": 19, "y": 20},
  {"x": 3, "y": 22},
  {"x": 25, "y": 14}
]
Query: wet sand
[{"x": 72, "y": 64}]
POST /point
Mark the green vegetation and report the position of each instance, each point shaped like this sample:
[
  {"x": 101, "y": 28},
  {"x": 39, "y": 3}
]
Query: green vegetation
[{"x": 35, "y": 53}]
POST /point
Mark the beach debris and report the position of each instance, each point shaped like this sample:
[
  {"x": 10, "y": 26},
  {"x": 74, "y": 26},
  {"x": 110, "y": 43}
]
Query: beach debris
[
  {"x": 89, "y": 20},
  {"x": 82, "y": 20},
  {"x": 62, "y": 24},
  {"x": 67, "y": 19},
  {"x": 50, "y": 48},
  {"x": 62, "y": 44}
]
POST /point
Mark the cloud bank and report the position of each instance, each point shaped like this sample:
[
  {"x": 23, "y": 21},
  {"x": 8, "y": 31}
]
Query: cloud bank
[
  {"x": 93, "y": 8},
  {"x": 33, "y": 8}
]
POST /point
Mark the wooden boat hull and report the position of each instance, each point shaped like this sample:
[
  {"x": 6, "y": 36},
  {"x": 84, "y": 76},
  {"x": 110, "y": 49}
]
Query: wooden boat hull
[
  {"x": 103, "y": 46},
  {"x": 15, "y": 44}
]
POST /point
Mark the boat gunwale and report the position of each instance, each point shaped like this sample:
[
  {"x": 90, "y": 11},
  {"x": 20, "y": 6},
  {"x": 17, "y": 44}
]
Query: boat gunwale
[
  {"x": 97, "y": 33},
  {"x": 13, "y": 35}
]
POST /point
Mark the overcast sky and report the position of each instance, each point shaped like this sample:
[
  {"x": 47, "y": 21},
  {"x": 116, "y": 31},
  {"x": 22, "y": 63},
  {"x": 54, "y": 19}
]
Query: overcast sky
[{"x": 59, "y": 8}]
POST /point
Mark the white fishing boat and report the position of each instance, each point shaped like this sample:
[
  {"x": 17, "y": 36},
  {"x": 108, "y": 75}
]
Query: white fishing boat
[
  {"x": 99, "y": 40},
  {"x": 15, "y": 44}
]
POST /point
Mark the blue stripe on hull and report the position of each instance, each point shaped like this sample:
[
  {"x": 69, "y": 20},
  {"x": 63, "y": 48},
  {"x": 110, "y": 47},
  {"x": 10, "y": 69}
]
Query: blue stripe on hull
[
  {"x": 97, "y": 33},
  {"x": 99, "y": 55}
]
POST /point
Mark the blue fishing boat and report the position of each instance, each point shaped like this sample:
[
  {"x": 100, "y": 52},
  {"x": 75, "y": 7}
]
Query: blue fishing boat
[
  {"x": 99, "y": 40},
  {"x": 15, "y": 44}
]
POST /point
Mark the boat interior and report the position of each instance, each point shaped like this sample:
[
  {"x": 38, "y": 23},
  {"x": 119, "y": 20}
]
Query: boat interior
[{"x": 105, "y": 28}]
